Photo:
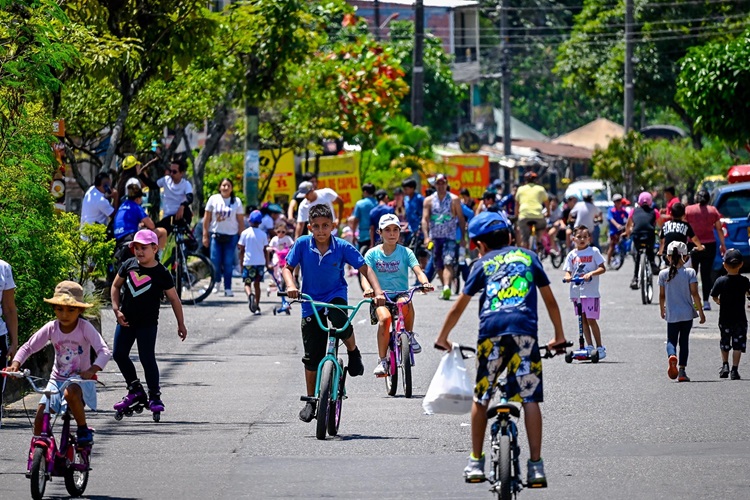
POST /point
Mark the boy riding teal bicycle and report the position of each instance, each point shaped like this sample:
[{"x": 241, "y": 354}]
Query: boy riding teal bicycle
[
  {"x": 508, "y": 278},
  {"x": 322, "y": 259}
]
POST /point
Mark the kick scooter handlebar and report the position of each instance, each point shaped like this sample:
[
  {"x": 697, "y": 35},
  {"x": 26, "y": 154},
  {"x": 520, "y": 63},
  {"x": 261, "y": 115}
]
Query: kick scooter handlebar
[{"x": 576, "y": 280}]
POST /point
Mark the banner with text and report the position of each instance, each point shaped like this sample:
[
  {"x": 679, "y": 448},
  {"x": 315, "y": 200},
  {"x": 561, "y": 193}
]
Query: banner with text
[
  {"x": 341, "y": 173},
  {"x": 283, "y": 185},
  {"x": 470, "y": 171}
]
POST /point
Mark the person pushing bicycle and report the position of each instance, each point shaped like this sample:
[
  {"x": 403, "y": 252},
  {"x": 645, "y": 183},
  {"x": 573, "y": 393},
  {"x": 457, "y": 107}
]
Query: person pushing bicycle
[
  {"x": 391, "y": 263},
  {"x": 508, "y": 278},
  {"x": 72, "y": 337},
  {"x": 322, "y": 258}
]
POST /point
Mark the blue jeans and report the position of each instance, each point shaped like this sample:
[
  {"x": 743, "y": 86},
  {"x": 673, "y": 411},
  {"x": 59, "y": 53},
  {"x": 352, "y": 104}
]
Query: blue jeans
[
  {"x": 679, "y": 333},
  {"x": 125, "y": 337},
  {"x": 222, "y": 257}
]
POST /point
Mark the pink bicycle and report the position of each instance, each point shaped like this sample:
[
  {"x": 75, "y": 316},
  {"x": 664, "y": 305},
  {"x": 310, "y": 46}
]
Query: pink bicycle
[
  {"x": 400, "y": 351},
  {"x": 46, "y": 460}
]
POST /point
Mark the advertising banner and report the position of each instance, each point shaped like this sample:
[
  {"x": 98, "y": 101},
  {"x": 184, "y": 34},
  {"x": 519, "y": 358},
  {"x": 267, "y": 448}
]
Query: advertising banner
[
  {"x": 282, "y": 185},
  {"x": 470, "y": 171},
  {"x": 341, "y": 173}
]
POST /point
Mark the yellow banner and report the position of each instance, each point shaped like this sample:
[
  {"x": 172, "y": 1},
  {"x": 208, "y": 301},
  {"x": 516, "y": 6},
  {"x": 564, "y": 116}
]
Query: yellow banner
[
  {"x": 283, "y": 184},
  {"x": 341, "y": 173}
]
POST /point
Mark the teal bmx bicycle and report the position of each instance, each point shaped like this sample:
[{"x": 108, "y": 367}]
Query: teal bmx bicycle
[{"x": 330, "y": 382}]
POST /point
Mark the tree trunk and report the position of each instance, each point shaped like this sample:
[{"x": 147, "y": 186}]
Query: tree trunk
[
  {"x": 117, "y": 130},
  {"x": 696, "y": 137},
  {"x": 216, "y": 129}
]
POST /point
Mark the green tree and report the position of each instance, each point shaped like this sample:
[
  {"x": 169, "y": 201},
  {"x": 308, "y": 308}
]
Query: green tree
[
  {"x": 627, "y": 163},
  {"x": 591, "y": 59},
  {"x": 713, "y": 89},
  {"x": 442, "y": 95}
]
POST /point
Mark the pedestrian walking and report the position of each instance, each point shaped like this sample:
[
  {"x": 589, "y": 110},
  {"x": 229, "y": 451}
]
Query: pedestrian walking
[
  {"x": 678, "y": 301},
  {"x": 222, "y": 224},
  {"x": 8, "y": 322},
  {"x": 704, "y": 219}
]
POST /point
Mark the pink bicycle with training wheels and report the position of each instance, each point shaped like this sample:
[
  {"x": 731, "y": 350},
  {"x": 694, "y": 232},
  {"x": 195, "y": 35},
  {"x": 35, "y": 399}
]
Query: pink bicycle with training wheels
[
  {"x": 400, "y": 352},
  {"x": 46, "y": 459}
]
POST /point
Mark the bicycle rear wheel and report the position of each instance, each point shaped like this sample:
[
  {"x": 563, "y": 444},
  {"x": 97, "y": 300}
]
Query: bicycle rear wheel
[
  {"x": 391, "y": 380},
  {"x": 406, "y": 364},
  {"x": 643, "y": 274},
  {"x": 194, "y": 278},
  {"x": 502, "y": 472},
  {"x": 558, "y": 259},
  {"x": 76, "y": 480},
  {"x": 324, "y": 401},
  {"x": 618, "y": 259}
]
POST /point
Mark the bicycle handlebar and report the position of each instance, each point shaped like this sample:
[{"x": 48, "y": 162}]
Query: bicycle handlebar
[
  {"x": 31, "y": 379},
  {"x": 549, "y": 352},
  {"x": 410, "y": 292},
  {"x": 306, "y": 298}
]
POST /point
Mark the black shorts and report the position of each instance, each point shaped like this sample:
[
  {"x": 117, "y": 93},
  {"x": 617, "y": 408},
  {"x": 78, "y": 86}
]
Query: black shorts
[
  {"x": 169, "y": 222},
  {"x": 315, "y": 340},
  {"x": 733, "y": 338},
  {"x": 392, "y": 308}
]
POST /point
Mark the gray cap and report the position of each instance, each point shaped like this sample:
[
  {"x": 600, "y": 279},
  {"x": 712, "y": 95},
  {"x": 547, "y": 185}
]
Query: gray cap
[
  {"x": 303, "y": 189},
  {"x": 616, "y": 197}
]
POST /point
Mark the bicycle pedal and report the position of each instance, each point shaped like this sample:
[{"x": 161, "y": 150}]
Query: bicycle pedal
[{"x": 308, "y": 399}]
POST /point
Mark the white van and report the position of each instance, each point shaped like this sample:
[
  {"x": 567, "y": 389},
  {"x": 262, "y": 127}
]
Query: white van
[{"x": 601, "y": 190}]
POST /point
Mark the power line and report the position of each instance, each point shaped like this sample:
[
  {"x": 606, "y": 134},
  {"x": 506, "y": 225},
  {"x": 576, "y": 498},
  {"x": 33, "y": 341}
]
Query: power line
[{"x": 618, "y": 5}]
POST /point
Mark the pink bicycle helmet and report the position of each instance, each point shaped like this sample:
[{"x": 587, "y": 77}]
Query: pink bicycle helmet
[{"x": 645, "y": 198}]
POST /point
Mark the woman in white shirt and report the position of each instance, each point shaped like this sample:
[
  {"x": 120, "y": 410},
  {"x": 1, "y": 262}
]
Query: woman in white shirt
[{"x": 222, "y": 225}]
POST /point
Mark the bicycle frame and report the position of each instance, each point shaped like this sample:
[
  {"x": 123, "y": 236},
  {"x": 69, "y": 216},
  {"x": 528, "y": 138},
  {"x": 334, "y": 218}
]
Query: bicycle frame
[
  {"x": 398, "y": 325},
  {"x": 333, "y": 340}
]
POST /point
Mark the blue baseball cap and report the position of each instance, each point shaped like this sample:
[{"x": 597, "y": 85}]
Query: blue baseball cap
[
  {"x": 487, "y": 222},
  {"x": 256, "y": 217}
]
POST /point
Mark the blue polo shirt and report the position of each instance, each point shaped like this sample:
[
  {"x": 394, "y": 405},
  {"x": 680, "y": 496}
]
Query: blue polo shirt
[
  {"x": 414, "y": 206},
  {"x": 323, "y": 275},
  {"x": 362, "y": 211}
]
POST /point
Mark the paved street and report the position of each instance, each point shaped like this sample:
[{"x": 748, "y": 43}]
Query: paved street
[{"x": 619, "y": 429}]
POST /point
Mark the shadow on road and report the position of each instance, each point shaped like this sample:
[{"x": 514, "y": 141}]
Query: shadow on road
[{"x": 357, "y": 437}]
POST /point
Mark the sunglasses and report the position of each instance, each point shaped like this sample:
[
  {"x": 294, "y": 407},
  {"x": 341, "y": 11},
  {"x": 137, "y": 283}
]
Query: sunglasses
[
  {"x": 281, "y": 231},
  {"x": 174, "y": 172}
]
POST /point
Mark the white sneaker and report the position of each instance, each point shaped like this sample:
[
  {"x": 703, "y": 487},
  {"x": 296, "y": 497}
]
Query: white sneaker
[
  {"x": 589, "y": 349},
  {"x": 217, "y": 288},
  {"x": 228, "y": 293},
  {"x": 382, "y": 369},
  {"x": 602, "y": 352},
  {"x": 415, "y": 347}
]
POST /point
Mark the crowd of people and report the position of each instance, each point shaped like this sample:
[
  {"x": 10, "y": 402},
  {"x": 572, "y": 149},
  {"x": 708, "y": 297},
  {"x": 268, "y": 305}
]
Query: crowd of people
[{"x": 391, "y": 241}]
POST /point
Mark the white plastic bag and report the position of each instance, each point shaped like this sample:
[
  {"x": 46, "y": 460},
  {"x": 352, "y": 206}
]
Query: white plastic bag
[{"x": 451, "y": 391}]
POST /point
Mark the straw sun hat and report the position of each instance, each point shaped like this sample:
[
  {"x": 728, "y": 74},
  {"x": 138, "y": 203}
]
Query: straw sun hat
[{"x": 68, "y": 293}]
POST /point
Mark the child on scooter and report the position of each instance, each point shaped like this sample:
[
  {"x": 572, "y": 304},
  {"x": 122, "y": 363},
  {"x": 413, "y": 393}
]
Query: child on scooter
[
  {"x": 72, "y": 337},
  {"x": 586, "y": 262},
  {"x": 136, "y": 308},
  {"x": 508, "y": 278},
  {"x": 678, "y": 302},
  {"x": 391, "y": 263}
]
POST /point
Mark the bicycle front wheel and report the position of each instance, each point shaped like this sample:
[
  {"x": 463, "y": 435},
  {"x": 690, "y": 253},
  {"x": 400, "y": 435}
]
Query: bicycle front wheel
[
  {"x": 194, "y": 278},
  {"x": 502, "y": 472},
  {"x": 391, "y": 380},
  {"x": 38, "y": 473},
  {"x": 557, "y": 259},
  {"x": 406, "y": 364},
  {"x": 324, "y": 400},
  {"x": 334, "y": 409}
]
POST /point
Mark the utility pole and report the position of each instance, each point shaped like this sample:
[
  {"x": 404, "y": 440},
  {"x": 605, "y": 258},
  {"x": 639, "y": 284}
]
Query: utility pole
[
  {"x": 505, "y": 76},
  {"x": 628, "y": 104},
  {"x": 252, "y": 150},
  {"x": 376, "y": 6},
  {"x": 417, "y": 75}
]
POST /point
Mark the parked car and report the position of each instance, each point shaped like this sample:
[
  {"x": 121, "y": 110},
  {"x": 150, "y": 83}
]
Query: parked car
[
  {"x": 601, "y": 190},
  {"x": 733, "y": 203}
]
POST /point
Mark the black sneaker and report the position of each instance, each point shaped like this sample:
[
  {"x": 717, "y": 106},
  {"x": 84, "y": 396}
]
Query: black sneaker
[
  {"x": 655, "y": 269},
  {"x": 724, "y": 372},
  {"x": 307, "y": 414},
  {"x": 735, "y": 375},
  {"x": 634, "y": 284},
  {"x": 355, "y": 366}
]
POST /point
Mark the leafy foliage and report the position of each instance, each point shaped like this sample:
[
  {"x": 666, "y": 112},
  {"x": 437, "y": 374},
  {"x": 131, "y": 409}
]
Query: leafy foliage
[
  {"x": 712, "y": 87},
  {"x": 442, "y": 95},
  {"x": 86, "y": 250},
  {"x": 627, "y": 163},
  {"x": 229, "y": 165}
]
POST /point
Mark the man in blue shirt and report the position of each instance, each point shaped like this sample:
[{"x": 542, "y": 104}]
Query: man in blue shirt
[
  {"x": 322, "y": 258},
  {"x": 380, "y": 210},
  {"x": 361, "y": 214},
  {"x": 414, "y": 202}
]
